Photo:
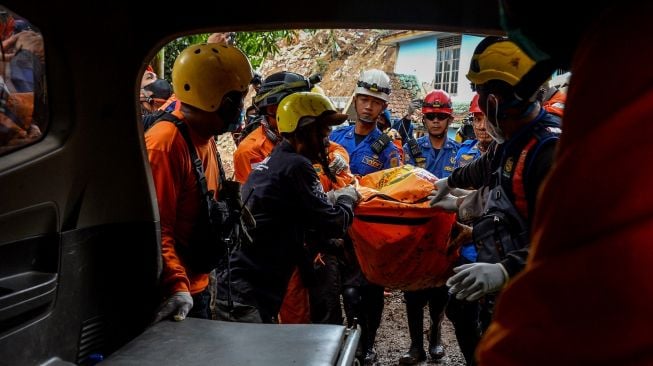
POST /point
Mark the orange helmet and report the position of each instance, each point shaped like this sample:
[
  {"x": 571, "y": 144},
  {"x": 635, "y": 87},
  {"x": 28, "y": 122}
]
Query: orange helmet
[
  {"x": 473, "y": 106},
  {"x": 437, "y": 101}
]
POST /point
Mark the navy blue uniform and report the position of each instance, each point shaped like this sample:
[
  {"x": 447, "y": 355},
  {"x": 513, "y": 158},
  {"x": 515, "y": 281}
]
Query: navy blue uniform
[{"x": 287, "y": 202}]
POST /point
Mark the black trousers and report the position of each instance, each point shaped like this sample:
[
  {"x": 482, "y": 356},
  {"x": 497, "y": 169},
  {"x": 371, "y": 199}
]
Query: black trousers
[
  {"x": 436, "y": 298},
  {"x": 324, "y": 295},
  {"x": 464, "y": 316}
]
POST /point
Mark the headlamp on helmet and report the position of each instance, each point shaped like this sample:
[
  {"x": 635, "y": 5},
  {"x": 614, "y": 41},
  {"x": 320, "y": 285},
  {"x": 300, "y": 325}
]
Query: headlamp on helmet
[{"x": 375, "y": 83}]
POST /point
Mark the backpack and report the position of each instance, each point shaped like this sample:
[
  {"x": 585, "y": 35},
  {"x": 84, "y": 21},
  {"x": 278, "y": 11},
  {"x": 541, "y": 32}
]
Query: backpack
[{"x": 503, "y": 227}]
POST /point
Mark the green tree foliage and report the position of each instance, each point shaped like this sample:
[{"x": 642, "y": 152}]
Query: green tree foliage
[
  {"x": 256, "y": 45},
  {"x": 259, "y": 45},
  {"x": 174, "y": 48}
]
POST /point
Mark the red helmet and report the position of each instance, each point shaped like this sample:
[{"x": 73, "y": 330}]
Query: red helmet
[
  {"x": 473, "y": 106},
  {"x": 437, "y": 101}
]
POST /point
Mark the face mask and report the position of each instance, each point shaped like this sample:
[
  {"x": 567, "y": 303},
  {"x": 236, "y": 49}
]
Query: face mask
[
  {"x": 231, "y": 111},
  {"x": 492, "y": 124}
]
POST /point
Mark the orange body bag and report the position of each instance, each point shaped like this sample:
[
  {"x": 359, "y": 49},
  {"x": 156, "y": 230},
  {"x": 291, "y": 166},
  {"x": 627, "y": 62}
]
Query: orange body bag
[{"x": 400, "y": 241}]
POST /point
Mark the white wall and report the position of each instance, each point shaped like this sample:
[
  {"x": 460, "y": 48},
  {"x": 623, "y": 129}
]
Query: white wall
[
  {"x": 467, "y": 46},
  {"x": 417, "y": 57}
]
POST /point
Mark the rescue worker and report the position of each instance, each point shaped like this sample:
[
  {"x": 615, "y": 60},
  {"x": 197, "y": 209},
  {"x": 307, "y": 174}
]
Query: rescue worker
[
  {"x": 367, "y": 153},
  {"x": 513, "y": 168},
  {"x": 324, "y": 295},
  {"x": 287, "y": 201},
  {"x": 371, "y": 98},
  {"x": 313, "y": 294},
  {"x": 464, "y": 315},
  {"x": 210, "y": 85},
  {"x": 591, "y": 235},
  {"x": 470, "y": 150},
  {"x": 256, "y": 142},
  {"x": 256, "y": 145},
  {"x": 435, "y": 152},
  {"x": 155, "y": 97}
]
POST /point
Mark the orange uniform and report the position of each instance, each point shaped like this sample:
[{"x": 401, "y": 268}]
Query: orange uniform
[
  {"x": 178, "y": 197},
  {"x": 585, "y": 295},
  {"x": 250, "y": 152},
  {"x": 556, "y": 104},
  {"x": 343, "y": 178}
]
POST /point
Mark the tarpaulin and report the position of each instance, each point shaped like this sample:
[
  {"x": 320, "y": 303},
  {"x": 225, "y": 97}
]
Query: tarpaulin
[{"x": 400, "y": 241}]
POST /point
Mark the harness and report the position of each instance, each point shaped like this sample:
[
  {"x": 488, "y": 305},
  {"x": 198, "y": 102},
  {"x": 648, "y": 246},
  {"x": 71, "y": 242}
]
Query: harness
[
  {"x": 223, "y": 223},
  {"x": 504, "y": 227},
  {"x": 416, "y": 152},
  {"x": 541, "y": 136}
]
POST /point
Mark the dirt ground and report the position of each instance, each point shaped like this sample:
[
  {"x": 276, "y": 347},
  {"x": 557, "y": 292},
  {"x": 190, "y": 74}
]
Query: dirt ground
[{"x": 392, "y": 339}]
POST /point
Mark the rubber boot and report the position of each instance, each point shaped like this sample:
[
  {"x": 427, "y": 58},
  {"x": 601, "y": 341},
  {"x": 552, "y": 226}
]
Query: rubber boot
[
  {"x": 436, "y": 349},
  {"x": 437, "y": 304},
  {"x": 415, "y": 315}
]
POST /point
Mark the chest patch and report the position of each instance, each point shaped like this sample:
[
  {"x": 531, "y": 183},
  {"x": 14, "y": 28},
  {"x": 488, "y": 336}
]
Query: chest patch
[{"x": 368, "y": 160}]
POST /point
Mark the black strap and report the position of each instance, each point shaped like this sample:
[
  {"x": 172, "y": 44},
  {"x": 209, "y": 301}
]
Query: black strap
[{"x": 198, "y": 170}]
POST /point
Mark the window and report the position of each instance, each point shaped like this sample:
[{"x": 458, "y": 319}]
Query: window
[
  {"x": 23, "y": 113},
  {"x": 447, "y": 64}
]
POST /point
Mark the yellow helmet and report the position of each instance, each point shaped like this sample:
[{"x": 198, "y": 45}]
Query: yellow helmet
[
  {"x": 204, "y": 73},
  {"x": 497, "y": 58},
  {"x": 300, "y": 109},
  {"x": 317, "y": 89}
]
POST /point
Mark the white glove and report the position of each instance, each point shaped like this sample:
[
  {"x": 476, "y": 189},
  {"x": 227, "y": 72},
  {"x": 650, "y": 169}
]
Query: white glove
[
  {"x": 349, "y": 190},
  {"x": 178, "y": 305},
  {"x": 473, "y": 281},
  {"x": 441, "y": 190},
  {"x": 448, "y": 203},
  {"x": 338, "y": 164}
]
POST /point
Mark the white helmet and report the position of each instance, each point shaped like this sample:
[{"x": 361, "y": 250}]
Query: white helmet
[{"x": 375, "y": 83}]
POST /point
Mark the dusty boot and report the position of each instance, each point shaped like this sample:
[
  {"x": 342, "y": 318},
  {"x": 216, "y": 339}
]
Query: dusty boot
[
  {"x": 370, "y": 352},
  {"x": 414, "y": 355},
  {"x": 436, "y": 349}
]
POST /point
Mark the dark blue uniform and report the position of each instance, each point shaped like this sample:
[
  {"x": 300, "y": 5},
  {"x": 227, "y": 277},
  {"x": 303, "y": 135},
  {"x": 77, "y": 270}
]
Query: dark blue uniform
[{"x": 287, "y": 202}]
